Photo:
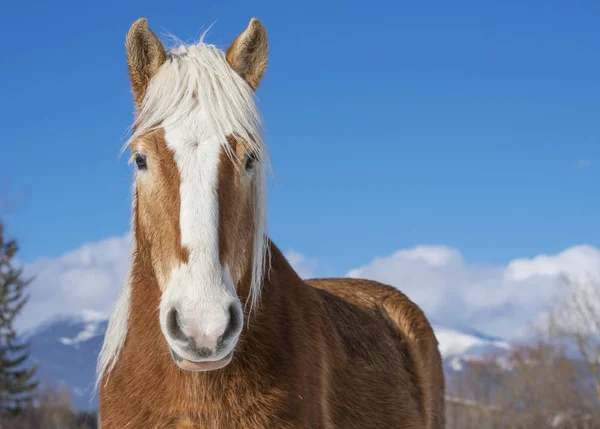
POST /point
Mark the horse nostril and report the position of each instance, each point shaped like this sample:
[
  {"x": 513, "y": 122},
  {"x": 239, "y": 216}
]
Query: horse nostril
[
  {"x": 180, "y": 320},
  {"x": 213, "y": 332},
  {"x": 233, "y": 325},
  {"x": 174, "y": 326}
]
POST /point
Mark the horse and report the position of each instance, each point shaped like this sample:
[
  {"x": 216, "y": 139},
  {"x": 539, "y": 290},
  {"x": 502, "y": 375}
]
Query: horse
[{"x": 213, "y": 327}]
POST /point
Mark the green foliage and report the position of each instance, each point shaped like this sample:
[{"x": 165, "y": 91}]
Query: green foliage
[{"x": 16, "y": 380}]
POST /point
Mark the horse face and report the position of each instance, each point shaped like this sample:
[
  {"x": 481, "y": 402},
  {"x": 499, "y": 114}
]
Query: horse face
[{"x": 199, "y": 191}]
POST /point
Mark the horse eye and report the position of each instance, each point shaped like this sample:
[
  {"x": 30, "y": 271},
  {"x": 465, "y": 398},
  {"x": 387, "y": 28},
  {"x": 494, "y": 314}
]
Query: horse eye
[
  {"x": 140, "y": 161},
  {"x": 250, "y": 160}
]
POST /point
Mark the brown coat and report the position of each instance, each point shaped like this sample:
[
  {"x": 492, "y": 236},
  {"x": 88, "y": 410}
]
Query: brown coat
[{"x": 328, "y": 353}]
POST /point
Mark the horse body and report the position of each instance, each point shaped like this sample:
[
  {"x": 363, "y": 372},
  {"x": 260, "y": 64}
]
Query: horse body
[
  {"x": 214, "y": 329},
  {"x": 328, "y": 354}
]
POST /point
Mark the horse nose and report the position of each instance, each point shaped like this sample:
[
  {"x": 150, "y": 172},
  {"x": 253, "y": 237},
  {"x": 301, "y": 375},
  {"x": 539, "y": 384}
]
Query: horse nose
[{"x": 204, "y": 335}]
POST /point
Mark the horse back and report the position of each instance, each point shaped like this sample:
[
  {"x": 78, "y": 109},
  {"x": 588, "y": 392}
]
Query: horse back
[{"x": 386, "y": 336}]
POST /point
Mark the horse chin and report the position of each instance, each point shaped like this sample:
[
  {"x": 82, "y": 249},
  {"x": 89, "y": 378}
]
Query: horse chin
[{"x": 202, "y": 366}]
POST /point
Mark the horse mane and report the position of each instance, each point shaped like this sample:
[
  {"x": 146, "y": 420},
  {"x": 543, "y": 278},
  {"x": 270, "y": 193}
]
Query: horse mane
[{"x": 198, "y": 75}]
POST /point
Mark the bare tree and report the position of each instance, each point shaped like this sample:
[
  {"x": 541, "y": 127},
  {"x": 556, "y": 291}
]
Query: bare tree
[
  {"x": 54, "y": 409},
  {"x": 543, "y": 388},
  {"x": 50, "y": 409},
  {"x": 534, "y": 386},
  {"x": 575, "y": 321}
]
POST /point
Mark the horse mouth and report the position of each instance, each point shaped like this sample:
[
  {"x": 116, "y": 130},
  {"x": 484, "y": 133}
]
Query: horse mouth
[{"x": 201, "y": 366}]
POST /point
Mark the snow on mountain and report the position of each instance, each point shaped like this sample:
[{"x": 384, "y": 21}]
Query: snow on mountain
[
  {"x": 453, "y": 342},
  {"x": 94, "y": 325},
  {"x": 460, "y": 346},
  {"x": 66, "y": 347}
]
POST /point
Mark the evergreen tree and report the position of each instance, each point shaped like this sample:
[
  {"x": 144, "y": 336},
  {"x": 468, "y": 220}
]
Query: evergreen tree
[{"x": 16, "y": 381}]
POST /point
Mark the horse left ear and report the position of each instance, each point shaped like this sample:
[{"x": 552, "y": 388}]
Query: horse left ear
[
  {"x": 247, "y": 55},
  {"x": 145, "y": 55}
]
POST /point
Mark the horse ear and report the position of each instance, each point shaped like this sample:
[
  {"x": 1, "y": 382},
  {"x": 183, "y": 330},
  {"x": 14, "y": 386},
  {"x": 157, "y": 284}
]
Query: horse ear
[
  {"x": 247, "y": 55},
  {"x": 145, "y": 55}
]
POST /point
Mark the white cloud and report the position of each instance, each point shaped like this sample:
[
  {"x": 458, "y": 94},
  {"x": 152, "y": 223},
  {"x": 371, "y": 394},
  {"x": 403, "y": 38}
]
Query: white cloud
[
  {"x": 497, "y": 300},
  {"x": 88, "y": 278},
  {"x": 303, "y": 266}
]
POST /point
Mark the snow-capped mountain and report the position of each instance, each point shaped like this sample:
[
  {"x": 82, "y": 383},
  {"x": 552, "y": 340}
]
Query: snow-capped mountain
[
  {"x": 459, "y": 346},
  {"x": 66, "y": 347}
]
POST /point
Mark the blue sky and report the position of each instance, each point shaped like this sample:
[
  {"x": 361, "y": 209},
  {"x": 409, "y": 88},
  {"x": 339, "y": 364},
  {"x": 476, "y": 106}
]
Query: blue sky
[{"x": 391, "y": 124}]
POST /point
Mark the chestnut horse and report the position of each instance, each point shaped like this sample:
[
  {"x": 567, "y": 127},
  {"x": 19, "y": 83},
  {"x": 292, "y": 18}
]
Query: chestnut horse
[{"x": 214, "y": 328}]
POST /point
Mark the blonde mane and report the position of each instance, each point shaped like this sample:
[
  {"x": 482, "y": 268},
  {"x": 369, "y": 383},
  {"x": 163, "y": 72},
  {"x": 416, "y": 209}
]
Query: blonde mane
[{"x": 192, "y": 75}]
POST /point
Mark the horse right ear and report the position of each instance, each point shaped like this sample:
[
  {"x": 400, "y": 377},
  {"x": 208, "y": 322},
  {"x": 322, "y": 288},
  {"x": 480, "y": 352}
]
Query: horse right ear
[
  {"x": 247, "y": 55},
  {"x": 145, "y": 55}
]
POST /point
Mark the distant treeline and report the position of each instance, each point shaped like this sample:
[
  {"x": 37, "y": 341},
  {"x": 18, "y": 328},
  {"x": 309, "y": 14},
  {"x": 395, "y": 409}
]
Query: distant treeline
[
  {"x": 535, "y": 387},
  {"x": 50, "y": 409}
]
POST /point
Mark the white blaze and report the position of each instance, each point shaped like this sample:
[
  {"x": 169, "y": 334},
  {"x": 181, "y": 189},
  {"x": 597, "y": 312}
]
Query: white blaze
[{"x": 199, "y": 290}]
